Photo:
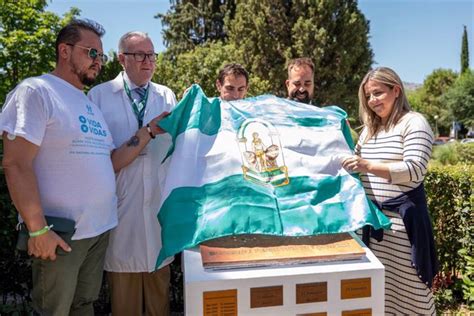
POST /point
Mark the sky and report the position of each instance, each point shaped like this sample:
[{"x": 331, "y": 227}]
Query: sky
[{"x": 414, "y": 37}]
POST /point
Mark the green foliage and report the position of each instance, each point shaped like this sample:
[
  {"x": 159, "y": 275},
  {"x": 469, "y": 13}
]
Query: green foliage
[
  {"x": 415, "y": 99},
  {"x": 201, "y": 66},
  {"x": 448, "y": 97},
  {"x": 464, "y": 52},
  {"x": 465, "y": 153},
  {"x": 15, "y": 273},
  {"x": 190, "y": 23},
  {"x": 263, "y": 35},
  {"x": 266, "y": 26},
  {"x": 450, "y": 201},
  {"x": 428, "y": 99},
  {"x": 176, "y": 285},
  {"x": 445, "y": 154},
  {"x": 468, "y": 278},
  {"x": 110, "y": 70},
  {"x": 459, "y": 99},
  {"x": 27, "y": 37},
  {"x": 334, "y": 34}
]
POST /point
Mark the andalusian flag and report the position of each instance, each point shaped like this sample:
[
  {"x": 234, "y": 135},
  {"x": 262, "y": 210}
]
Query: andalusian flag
[{"x": 263, "y": 165}]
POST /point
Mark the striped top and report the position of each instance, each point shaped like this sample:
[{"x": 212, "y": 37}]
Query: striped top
[{"x": 406, "y": 148}]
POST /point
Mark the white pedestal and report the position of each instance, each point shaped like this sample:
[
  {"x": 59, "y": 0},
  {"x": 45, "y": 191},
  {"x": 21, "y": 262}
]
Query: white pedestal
[{"x": 365, "y": 277}]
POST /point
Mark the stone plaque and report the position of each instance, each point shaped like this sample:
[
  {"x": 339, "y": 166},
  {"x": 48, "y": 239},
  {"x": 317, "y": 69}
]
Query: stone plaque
[
  {"x": 356, "y": 288},
  {"x": 217, "y": 303},
  {"x": 358, "y": 312},
  {"x": 311, "y": 292},
  {"x": 266, "y": 296},
  {"x": 313, "y": 314}
]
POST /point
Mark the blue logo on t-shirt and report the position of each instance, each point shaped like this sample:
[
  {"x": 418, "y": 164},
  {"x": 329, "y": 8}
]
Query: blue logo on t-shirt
[
  {"x": 89, "y": 109},
  {"x": 91, "y": 126}
]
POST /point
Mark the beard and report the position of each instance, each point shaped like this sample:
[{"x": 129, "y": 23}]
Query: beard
[
  {"x": 300, "y": 96},
  {"x": 87, "y": 81},
  {"x": 83, "y": 76}
]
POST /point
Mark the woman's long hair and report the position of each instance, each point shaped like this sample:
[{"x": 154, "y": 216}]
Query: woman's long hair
[{"x": 373, "y": 122}]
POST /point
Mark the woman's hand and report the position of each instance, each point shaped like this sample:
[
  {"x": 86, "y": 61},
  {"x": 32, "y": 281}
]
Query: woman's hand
[{"x": 356, "y": 164}]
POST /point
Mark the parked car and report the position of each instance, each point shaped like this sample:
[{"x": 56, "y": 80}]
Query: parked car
[
  {"x": 441, "y": 140},
  {"x": 467, "y": 140}
]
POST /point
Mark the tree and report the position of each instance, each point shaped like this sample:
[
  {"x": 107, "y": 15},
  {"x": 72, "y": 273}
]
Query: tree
[
  {"x": 27, "y": 37},
  {"x": 201, "y": 65},
  {"x": 459, "y": 99},
  {"x": 190, "y": 23},
  {"x": 265, "y": 34},
  {"x": 110, "y": 70},
  {"x": 333, "y": 33},
  {"x": 464, "y": 52},
  {"x": 428, "y": 98},
  {"x": 260, "y": 31}
]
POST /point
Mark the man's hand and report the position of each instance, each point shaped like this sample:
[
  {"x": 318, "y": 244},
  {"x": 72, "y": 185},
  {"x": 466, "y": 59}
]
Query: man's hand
[
  {"x": 44, "y": 246},
  {"x": 155, "y": 129}
]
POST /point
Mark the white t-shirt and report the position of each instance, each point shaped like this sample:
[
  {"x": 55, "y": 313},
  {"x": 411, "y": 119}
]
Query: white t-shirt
[{"x": 73, "y": 166}]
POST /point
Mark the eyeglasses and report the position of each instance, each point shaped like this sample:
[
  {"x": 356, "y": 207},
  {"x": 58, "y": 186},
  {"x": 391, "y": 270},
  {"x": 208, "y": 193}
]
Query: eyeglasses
[
  {"x": 92, "y": 53},
  {"x": 140, "y": 57}
]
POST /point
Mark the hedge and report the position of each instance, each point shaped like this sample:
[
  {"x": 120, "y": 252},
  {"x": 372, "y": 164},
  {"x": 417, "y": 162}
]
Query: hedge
[
  {"x": 450, "y": 200},
  {"x": 15, "y": 275}
]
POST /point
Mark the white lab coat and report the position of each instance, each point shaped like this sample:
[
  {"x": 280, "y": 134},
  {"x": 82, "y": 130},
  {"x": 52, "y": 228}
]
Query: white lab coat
[{"x": 136, "y": 241}]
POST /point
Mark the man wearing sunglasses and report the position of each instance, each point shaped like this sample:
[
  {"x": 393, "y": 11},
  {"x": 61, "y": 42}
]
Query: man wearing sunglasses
[
  {"x": 132, "y": 106},
  {"x": 57, "y": 164}
]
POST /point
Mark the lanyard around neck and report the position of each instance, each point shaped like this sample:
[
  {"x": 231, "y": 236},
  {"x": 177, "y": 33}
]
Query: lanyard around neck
[{"x": 135, "y": 105}]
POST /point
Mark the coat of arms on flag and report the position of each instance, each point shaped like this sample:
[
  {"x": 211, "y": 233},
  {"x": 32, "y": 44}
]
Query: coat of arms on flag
[
  {"x": 262, "y": 159},
  {"x": 262, "y": 165}
]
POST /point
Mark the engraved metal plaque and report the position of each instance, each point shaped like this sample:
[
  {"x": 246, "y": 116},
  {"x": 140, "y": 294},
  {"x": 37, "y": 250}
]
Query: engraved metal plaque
[
  {"x": 356, "y": 288},
  {"x": 217, "y": 303},
  {"x": 358, "y": 312},
  {"x": 266, "y": 296},
  {"x": 311, "y": 292}
]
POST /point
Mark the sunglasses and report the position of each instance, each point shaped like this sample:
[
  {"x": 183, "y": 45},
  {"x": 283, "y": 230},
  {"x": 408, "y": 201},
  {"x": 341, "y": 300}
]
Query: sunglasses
[{"x": 92, "y": 53}]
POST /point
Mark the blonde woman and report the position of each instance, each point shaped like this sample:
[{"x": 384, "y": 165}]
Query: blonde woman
[{"x": 392, "y": 157}]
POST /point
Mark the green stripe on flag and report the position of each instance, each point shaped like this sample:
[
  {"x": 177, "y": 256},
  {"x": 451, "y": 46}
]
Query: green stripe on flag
[
  {"x": 308, "y": 206},
  {"x": 346, "y": 131},
  {"x": 310, "y": 121},
  {"x": 195, "y": 110}
]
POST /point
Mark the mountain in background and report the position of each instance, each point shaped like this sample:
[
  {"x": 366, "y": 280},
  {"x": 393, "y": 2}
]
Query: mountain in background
[{"x": 410, "y": 86}]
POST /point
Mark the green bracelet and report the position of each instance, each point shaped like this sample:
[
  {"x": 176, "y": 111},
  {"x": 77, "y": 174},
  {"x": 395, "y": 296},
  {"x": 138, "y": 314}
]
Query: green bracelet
[{"x": 40, "y": 232}]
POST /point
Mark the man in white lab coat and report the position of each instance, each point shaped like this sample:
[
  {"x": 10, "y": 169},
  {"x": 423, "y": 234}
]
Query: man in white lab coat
[{"x": 132, "y": 105}]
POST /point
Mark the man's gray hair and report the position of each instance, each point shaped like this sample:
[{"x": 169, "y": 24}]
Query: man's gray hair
[{"x": 125, "y": 37}]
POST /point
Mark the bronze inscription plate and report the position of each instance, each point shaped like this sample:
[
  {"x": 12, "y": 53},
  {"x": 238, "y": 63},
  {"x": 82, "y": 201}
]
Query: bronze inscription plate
[
  {"x": 217, "y": 303},
  {"x": 266, "y": 296},
  {"x": 358, "y": 312},
  {"x": 356, "y": 288},
  {"x": 311, "y": 292}
]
